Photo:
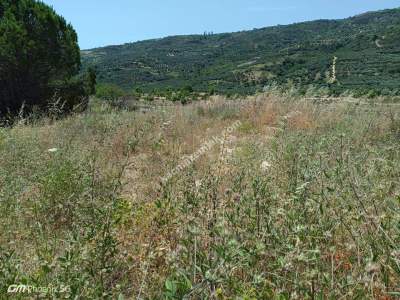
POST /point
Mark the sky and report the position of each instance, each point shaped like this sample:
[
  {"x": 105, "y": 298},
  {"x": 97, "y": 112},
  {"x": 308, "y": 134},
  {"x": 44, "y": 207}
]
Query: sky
[{"x": 104, "y": 22}]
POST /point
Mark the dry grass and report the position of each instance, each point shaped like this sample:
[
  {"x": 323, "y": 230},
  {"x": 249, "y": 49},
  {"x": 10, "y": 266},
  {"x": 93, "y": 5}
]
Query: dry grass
[{"x": 301, "y": 201}]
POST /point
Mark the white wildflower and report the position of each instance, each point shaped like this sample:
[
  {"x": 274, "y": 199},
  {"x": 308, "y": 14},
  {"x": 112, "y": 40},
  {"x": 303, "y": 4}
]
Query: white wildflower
[
  {"x": 265, "y": 166},
  {"x": 52, "y": 150},
  {"x": 229, "y": 151}
]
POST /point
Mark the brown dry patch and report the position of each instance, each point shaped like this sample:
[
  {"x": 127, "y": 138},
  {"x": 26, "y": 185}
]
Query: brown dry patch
[{"x": 302, "y": 120}]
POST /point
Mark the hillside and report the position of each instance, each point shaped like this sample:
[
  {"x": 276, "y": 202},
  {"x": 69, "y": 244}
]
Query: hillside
[{"x": 367, "y": 48}]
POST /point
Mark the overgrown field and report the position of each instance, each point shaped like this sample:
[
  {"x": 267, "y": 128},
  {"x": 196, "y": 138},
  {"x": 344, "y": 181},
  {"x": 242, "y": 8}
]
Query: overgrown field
[{"x": 288, "y": 200}]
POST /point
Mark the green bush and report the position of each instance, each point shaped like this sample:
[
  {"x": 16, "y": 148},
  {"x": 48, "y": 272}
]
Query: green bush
[{"x": 109, "y": 92}]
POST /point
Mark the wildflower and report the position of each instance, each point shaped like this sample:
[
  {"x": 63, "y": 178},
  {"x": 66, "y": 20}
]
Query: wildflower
[
  {"x": 52, "y": 150},
  {"x": 265, "y": 166},
  {"x": 229, "y": 151},
  {"x": 198, "y": 183}
]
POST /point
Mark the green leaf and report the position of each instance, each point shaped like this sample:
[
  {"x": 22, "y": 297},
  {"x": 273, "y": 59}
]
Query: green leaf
[{"x": 121, "y": 297}]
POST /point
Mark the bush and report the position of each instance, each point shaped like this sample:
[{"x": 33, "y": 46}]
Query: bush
[{"x": 109, "y": 92}]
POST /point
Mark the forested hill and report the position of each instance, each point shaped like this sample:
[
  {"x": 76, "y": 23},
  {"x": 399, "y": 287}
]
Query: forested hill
[{"x": 366, "y": 47}]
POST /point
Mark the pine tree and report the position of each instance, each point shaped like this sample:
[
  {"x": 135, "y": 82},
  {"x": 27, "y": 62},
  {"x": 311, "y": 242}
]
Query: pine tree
[{"x": 39, "y": 57}]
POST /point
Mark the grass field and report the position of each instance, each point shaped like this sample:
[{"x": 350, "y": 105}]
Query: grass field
[{"x": 283, "y": 199}]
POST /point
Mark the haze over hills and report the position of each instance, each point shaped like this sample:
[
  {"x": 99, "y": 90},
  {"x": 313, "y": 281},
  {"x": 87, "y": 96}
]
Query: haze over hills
[{"x": 366, "y": 47}]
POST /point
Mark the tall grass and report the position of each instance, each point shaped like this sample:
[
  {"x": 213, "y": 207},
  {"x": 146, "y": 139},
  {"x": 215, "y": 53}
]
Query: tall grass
[{"x": 302, "y": 201}]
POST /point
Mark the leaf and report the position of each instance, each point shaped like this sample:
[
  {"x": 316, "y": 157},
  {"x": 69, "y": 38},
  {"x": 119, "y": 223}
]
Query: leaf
[{"x": 170, "y": 286}]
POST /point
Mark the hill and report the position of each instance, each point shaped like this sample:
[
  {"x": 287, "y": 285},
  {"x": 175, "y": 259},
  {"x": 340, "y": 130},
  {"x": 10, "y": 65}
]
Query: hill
[{"x": 366, "y": 47}]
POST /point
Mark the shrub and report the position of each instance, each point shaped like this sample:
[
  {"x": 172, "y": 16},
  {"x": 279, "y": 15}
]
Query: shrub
[{"x": 109, "y": 92}]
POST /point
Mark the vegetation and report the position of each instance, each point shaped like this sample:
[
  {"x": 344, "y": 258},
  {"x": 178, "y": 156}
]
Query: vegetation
[
  {"x": 116, "y": 96},
  {"x": 109, "y": 92},
  {"x": 39, "y": 59},
  {"x": 299, "y": 201},
  {"x": 288, "y": 194},
  {"x": 366, "y": 48}
]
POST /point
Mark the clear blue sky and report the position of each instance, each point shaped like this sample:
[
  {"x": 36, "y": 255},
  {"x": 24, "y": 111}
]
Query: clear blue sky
[{"x": 105, "y": 22}]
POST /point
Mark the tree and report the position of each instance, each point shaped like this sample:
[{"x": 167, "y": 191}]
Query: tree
[
  {"x": 91, "y": 80},
  {"x": 39, "y": 57}
]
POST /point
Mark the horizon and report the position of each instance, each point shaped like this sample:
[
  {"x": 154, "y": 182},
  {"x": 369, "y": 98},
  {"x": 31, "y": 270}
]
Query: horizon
[{"x": 124, "y": 23}]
